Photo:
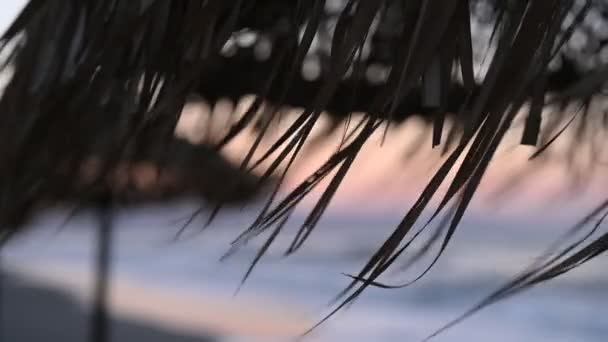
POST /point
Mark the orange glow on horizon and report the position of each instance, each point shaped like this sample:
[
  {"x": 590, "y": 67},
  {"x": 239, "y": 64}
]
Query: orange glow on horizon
[{"x": 393, "y": 174}]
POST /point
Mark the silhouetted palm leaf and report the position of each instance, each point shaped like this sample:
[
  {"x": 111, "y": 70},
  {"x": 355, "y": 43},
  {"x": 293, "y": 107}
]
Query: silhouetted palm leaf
[{"x": 110, "y": 78}]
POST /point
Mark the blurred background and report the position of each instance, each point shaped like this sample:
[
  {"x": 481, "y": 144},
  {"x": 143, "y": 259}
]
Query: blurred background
[{"x": 168, "y": 289}]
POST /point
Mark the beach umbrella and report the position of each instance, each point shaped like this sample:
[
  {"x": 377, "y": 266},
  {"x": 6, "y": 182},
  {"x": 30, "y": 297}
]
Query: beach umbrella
[{"x": 104, "y": 83}]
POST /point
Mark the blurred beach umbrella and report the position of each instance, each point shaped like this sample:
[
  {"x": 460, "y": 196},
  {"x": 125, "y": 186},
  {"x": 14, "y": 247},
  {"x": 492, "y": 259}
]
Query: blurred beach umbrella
[{"x": 107, "y": 81}]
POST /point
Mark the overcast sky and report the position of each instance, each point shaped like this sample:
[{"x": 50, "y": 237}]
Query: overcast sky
[{"x": 8, "y": 10}]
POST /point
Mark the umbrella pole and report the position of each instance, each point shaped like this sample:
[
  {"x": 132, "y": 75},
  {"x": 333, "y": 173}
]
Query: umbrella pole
[
  {"x": 99, "y": 328},
  {"x": 1, "y": 299}
]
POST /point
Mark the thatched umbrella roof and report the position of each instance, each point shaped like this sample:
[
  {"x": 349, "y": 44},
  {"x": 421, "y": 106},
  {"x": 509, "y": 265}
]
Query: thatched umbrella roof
[{"x": 109, "y": 78}]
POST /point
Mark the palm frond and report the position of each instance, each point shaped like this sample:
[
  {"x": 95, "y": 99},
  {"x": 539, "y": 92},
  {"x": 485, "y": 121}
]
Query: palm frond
[{"x": 110, "y": 78}]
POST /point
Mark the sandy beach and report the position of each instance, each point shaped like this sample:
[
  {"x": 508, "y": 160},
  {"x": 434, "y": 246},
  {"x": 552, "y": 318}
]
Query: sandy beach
[
  {"x": 32, "y": 313},
  {"x": 140, "y": 313}
]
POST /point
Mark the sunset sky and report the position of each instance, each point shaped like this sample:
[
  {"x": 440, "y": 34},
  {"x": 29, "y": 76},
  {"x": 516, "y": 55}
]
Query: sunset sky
[{"x": 392, "y": 175}]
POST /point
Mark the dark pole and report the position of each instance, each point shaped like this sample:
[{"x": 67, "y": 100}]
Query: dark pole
[
  {"x": 100, "y": 317},
  {"x": 1, "y": 300}
]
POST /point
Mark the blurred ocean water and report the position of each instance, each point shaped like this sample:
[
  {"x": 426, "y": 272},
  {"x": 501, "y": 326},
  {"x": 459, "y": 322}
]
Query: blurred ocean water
[{"x": 483, "y": 255}]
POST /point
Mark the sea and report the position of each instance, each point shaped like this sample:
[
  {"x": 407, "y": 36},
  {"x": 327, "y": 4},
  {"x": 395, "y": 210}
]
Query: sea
[{"x": 485, "y": 253}]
